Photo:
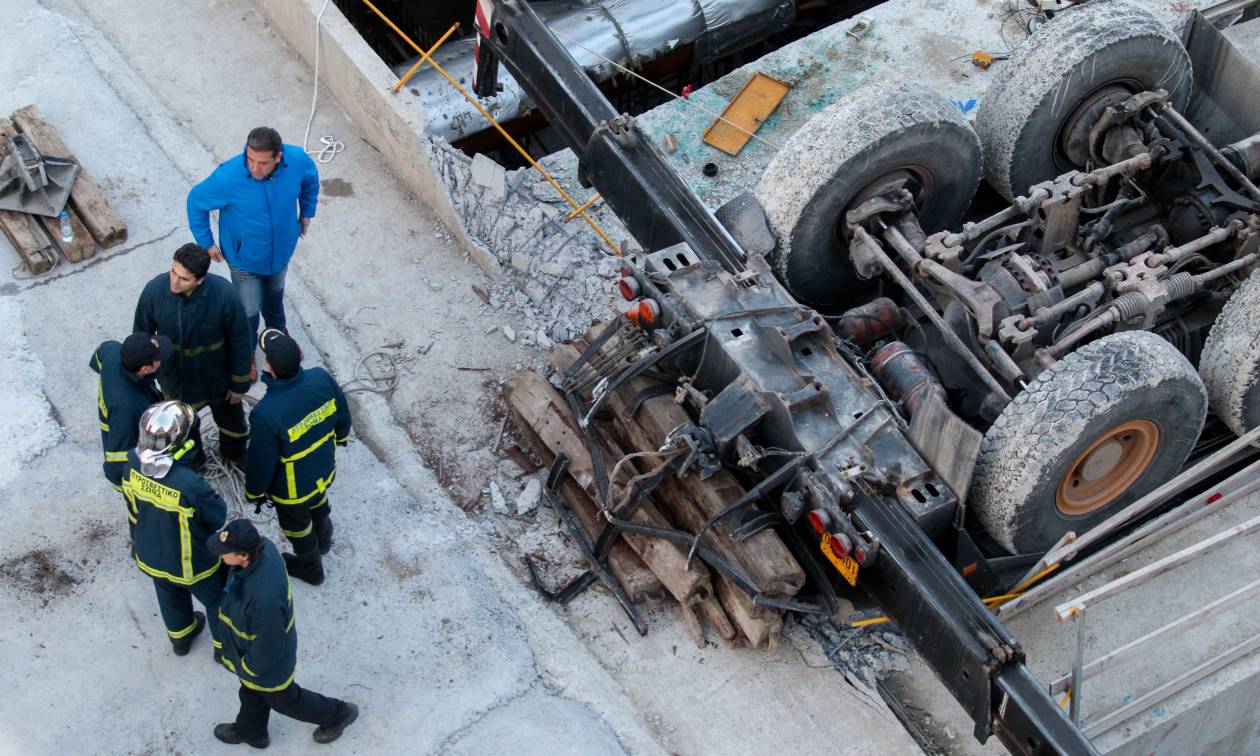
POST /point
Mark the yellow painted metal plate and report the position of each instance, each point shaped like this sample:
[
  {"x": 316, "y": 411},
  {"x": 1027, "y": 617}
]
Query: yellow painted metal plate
[
  {"x": 845, "y": 564},
  {"x": 748, "y": 110}
]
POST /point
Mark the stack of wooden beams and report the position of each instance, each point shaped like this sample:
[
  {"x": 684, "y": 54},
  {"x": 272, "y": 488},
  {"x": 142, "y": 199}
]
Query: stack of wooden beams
[
  {"x": 37, "y": 238},
  {"x": 643, "y": 564}
]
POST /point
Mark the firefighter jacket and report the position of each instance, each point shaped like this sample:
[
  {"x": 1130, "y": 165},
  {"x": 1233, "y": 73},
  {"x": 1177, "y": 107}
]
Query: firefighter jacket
[
  {"x": 257, "y": 608},
  {"x": 171, "y": 519},
  {"x": 293, "y": 431},
  {"x": 121, "y": 398},
  {"x": 214, "y": 347}
]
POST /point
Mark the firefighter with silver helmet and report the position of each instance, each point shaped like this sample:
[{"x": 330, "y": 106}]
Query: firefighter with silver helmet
[{"x": 172, "y": 511}]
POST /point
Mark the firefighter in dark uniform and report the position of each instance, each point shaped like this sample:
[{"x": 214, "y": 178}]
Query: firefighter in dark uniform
[
  {"x": 292, "y": 459},
  {"x": 261, "y": 643},
  {"x": 173, "y": 511},
  {"x": 214, "y": 348},
  {"x": 125, "y": 390}
]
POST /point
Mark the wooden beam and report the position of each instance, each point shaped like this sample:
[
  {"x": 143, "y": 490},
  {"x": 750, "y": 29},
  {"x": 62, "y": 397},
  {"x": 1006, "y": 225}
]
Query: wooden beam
[
  {"x": 544, "y": 413},
  {"x": 100, "y": 218},
  {"x": 21, "y": 229}
]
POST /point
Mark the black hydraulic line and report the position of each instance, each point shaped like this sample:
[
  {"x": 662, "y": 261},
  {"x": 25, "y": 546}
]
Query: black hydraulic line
[{"x": 606, "y": 387}]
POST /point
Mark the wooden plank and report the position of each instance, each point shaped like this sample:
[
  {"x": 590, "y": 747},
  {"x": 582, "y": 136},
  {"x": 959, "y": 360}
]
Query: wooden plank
[
  {"x": 101, "y": 219},
  {"x": 1069, "y": 609},
  {"x": 30, "y": 242},
  {"x": 1171, "y": 688},
  {"x": 750, "y": 108},
  {"x": 1172, "y": 629},
  {"x": 543, "y": 412},
  {"x": 635, "y": 577}
]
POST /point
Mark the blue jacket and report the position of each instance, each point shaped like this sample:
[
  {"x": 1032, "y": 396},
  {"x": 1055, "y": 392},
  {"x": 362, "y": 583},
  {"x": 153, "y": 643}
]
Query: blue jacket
[
  {"x": 257, "y": 608},
  {"x": 213, "y": 343},
  {"x": 121, "y": 398},
  {"x": 171, "y": 519},
  {"x": 294, "y": 427},
  {"x": 258, "y": 220}
]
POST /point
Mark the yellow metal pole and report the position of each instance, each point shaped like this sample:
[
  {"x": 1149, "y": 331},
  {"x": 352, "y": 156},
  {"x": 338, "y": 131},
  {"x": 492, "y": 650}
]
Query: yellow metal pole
[
  {"x": 595, "y": 198},
  {"x": 533, "y": 163},
  {"x": 412, "y": 71}
]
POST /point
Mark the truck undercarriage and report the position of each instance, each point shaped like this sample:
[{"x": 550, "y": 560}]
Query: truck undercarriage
[{"x": 921, "y": 406}]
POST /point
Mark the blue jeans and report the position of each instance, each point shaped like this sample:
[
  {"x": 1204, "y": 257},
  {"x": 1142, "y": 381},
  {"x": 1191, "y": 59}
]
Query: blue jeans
[{"x": 261, "y": 295}]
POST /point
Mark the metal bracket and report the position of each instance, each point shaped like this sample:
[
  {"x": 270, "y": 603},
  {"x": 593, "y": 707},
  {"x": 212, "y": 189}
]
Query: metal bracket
[{"x": 31, "y": 182}]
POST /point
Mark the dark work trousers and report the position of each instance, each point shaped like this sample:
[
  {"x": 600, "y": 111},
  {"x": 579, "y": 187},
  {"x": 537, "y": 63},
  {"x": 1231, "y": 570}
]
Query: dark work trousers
[
  {"x": 293, "y": 701},
  {"x": 175, "y": 604},
  {"x": 233, "y": 433},
  {"x": 302, "y": 523}
]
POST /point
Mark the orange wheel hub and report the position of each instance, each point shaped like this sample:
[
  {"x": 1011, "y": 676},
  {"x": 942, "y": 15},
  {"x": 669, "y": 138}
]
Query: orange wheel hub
[{"x": 1108, "y": 467}]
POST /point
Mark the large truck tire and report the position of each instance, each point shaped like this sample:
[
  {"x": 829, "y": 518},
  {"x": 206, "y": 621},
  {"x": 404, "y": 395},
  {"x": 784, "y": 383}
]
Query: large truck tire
[
  {"x": 874, "y": 137},
  {"x": 1090, "y": 435},
  {"x": 1034, "y": 120},
  {"x": 1230, "y": 363}
]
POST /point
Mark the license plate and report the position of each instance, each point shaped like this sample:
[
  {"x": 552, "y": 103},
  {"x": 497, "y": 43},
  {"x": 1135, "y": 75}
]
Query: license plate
[{"x": 845, "y": 564}]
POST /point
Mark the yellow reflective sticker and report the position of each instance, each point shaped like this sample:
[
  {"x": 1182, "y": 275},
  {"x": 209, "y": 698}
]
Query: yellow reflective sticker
[{"x": 319, "y": 415}]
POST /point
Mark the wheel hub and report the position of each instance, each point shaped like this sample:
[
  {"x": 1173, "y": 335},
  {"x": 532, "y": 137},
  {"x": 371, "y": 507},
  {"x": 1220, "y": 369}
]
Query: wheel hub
[
  {"x": 1108, "y": 467},
  {"x": 1073, "y": 142}
]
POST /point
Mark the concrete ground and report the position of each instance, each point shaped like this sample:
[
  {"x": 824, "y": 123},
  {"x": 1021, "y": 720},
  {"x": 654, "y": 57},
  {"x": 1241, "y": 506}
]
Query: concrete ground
[{"x": 425, "y": 620}]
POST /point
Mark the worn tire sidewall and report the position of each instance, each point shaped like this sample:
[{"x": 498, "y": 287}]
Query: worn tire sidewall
[
  {"x": 1176, "y": 405},
  {"x": 814, "y": 267},
  {"x": 1230, "y": 363}
]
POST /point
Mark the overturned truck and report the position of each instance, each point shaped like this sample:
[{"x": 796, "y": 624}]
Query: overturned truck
[{"x": 923, "y": 403}]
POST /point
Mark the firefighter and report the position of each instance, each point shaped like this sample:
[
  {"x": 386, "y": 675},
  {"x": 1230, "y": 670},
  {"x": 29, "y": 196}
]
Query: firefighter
[
  {"x": 214, "y": 349},
  {"x": 173, "y": 511},
  {"x": 261, "y": 643},
  {"x": 125, "y": 390},
  {"x": 291, "y": 458}
]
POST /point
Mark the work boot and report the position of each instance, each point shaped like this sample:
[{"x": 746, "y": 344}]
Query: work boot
[
  {"x": 226, "y": 732},
  {"x": 181, "y": 647},
  {"x": 233, "y": 457},
  {"x": 329, "y": 733},
  {"x": 324, "y": 534},
  {"x": 307, "y": 566}
]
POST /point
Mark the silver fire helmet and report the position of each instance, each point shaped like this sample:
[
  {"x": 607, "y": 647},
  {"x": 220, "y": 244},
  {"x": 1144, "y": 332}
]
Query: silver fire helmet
[{"x": 164, "y": 431}]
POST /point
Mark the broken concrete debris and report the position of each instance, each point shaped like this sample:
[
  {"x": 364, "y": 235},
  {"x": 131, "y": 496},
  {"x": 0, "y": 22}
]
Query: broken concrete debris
[{"x": 529, "y": 498}]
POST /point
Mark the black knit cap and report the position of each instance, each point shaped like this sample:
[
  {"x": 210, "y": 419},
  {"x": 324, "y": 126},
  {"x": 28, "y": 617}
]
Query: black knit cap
[
  {"x": 142, "y": 349},
  {"x": 237, "y": 537},
  {"x": 283, "y": 353}
]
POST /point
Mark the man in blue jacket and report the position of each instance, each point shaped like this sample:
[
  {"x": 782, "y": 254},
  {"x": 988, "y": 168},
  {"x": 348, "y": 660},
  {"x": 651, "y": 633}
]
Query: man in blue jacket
[
  {"x": 266, "y": 198},
  {"x": 261, "y": 643},
  {"x": 292, "y": 459},
  {"x": 125, "y": 390},
  {"x": 214, "y": 349},
  {"x": 172, "y": 512}
]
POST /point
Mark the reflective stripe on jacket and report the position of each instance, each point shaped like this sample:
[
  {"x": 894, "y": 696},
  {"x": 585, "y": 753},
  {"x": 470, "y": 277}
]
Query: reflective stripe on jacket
[
  {"x": 259, "y": 221},
  {"x": 257, "y": 609},
  {"x": 293, "y": 432},
  {"x": 173, "y": 516},
  {"x": 213, "y": 344},
  {"x": 121, "y": 398}
]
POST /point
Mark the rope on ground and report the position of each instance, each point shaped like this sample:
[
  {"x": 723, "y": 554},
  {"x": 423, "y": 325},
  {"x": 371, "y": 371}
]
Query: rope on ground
[{"x": 380, "y": 381}]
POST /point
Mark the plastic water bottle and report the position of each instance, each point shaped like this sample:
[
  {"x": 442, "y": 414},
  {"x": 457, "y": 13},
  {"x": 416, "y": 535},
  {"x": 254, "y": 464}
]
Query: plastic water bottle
[{"x": 67, "y": 232}]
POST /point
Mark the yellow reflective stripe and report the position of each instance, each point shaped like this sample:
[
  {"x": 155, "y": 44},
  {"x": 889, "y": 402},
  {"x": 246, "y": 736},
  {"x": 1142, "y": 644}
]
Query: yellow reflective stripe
[
  {"x": 314, "y": 418},
  {"x": 344, "y": 440},
  {"x": 104, "y": 425},
  {"x": 131, "y": 517},
  {"x": 228, "y": 663},
  {"x": 200, "y": 349},
  {"x": 115, "y": 456},
  {"x": 100, "y": 395},
  {"x": 290, "y": 479},
  {"x": 181, "y": 633},
  {"x": 117, "y": 488},
  {"x": 320, "y": 487},
  {"x": 323, "y": 500},
  {"x": 217, "y": 644},
  {"x": 309, "y": 449},
  {"x": 228, "y": 622},
  {"x": 232, "y": 434},
  {"x": 155, "y": 572},
  {"x": 299, "y": 533},
  {"x": 255, "y": 497},
  {"x": 241, "y": 378},
  {"x": 245, "y": 667},
  {"x": 289, "y": 626},
  {"x": 97, "y": 356},
  {"x": 261, "y": 689}
]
